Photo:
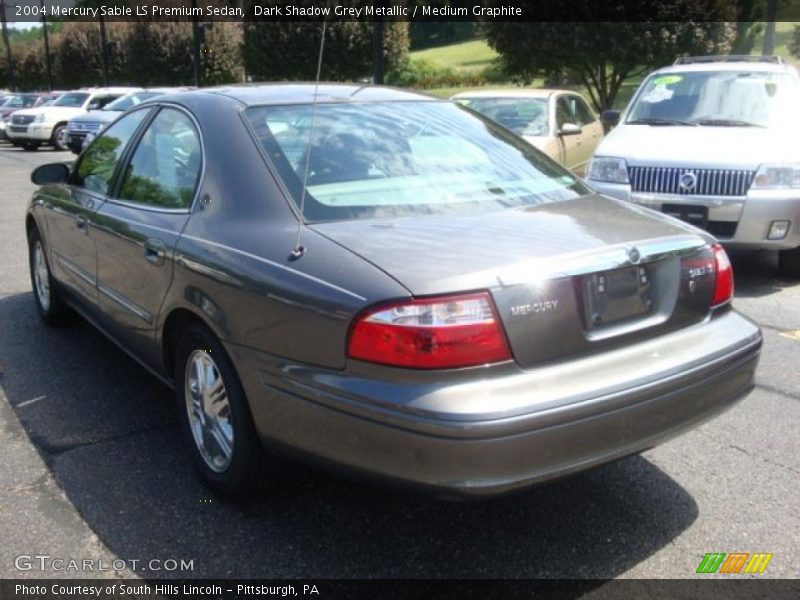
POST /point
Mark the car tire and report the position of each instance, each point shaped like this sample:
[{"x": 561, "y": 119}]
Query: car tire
[
  {"x": 789, "y": 262},
  {"x": 30, "y": 146},
  {"x": 60, "y": 138},
  {"x": 214, "y": 416},
  {"x": 46, "y": 294}
]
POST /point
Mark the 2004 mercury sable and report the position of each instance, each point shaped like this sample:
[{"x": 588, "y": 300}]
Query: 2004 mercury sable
[{"x": 440, "y": 304}]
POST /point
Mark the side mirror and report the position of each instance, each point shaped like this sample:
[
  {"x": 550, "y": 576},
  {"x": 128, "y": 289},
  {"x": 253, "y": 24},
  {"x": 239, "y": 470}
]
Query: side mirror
[
  {"x": 569, "y": 129},
  {"x": 50, "y": 174},
  {"x": 610, "y": 117}
]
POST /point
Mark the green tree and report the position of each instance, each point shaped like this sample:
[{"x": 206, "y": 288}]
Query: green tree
[
  {"x": 277, "y": 51},
  {"x": 602, "y": 55},
  {"x": 160, "y": 53},
  {"x": 794, "y": 44}
]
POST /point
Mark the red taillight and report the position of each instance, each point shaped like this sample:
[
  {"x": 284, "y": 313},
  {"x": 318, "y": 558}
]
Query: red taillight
[
  {"x": 430, "y": 333},
  {"x": 723, "y": 284}
]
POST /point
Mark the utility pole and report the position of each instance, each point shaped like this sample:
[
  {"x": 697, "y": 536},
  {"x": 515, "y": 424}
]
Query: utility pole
[
  {"x": 11, "y": 83},
  {"x": 377, "y": 50},
  {"x": 769, "y": 31},
  {"x": 196, "y": 45},
  {"x": 104, "y": 44},
  {"x": 47, "y": 57}
]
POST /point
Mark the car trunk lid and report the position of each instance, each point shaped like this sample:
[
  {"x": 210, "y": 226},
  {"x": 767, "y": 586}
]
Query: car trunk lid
[{"x": 567, "y": 277}]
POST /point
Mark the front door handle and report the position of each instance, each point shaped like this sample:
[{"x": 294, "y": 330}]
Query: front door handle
[
  {"x": 155, "y": 251},
  {"x": 82, "y": 223}
]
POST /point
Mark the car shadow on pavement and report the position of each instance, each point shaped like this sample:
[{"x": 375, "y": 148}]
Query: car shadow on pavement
[
  {"x": 105, "y": 428},
  {"x": 755, "y": 274}
]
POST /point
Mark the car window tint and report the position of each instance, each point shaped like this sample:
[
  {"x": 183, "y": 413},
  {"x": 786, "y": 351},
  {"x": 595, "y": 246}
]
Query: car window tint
[
  {"x": 97, "y": 165},
  {"x": 583, "y": 114},
  {"x": 166, "y": 164}
]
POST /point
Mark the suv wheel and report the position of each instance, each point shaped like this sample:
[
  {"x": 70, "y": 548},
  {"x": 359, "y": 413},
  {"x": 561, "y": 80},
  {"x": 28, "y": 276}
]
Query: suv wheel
[
  {"x": 789, "y": 262},
  {"x": 214, "y": 416},
  {"x": 60, "y": 138}
]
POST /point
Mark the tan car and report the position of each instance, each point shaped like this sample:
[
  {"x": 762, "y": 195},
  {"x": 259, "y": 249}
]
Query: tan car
[{"x": 560, "y": 123}]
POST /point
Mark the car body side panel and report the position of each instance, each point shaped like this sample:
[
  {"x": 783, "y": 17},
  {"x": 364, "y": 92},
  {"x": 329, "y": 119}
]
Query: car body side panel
[
  {"x": 233, "y": 265},
  {"x": 132, "y": 280},
  {"x": 70, "y": 239}
]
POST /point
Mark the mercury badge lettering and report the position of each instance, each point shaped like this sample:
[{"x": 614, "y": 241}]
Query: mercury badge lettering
[{"x": 543, "y": 306}]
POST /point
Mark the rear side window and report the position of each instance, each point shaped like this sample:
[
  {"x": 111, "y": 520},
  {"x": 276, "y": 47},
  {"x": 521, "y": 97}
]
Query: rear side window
[
  {"x": 165, "y": 167},
  {"x": 98, "y": 163}
]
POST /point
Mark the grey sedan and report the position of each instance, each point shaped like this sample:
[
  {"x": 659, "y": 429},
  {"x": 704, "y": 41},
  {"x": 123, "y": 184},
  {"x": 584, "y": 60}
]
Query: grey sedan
[{"x": 387, "y": 283}]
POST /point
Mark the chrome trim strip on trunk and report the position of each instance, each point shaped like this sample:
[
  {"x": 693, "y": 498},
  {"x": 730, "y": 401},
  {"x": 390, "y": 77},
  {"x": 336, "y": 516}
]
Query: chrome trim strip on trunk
[{"x": 592, "y": 261}]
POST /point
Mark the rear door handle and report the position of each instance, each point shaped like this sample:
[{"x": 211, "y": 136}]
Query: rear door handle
[
  {"x": 82, "y": 223},
  {"x": 155, "y": 251}
]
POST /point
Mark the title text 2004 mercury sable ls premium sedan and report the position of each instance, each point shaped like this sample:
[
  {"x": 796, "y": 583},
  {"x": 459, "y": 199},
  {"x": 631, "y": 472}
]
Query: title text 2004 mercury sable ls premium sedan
[{"x": 387, "y": 283}]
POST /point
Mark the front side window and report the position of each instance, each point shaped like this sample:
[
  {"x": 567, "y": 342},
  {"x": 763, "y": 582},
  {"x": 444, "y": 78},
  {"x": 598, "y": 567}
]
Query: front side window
[
  {"x": 716, "y": 98},
  {"x": 98, "y": 163},
  {"x": 583, "y": 114},
  {"x": 564, "y": 113},
  {"x": 71, "y": 99},
  {"x": 404, "y": 158},
  {"x": 165, "y": 167}
]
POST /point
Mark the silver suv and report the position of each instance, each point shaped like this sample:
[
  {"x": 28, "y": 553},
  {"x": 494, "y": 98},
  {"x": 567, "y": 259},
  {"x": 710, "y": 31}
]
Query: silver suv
[{"x": 714, "y": 141}]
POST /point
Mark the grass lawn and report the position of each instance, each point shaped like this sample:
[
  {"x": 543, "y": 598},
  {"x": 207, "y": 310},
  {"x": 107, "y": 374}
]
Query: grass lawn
[{"x": 470, "y": 56}]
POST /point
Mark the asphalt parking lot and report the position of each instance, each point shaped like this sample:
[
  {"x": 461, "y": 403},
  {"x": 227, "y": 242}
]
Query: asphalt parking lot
[{"x": 93, "y": 469}]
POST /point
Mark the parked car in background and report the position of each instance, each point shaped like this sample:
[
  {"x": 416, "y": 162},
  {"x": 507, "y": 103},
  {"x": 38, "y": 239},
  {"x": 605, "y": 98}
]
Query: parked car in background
[
  {"x": 82, "y": 129},
  {"x": 560, "y": 123},
  {"x": 12, "y": 104},
  {"x": 395, "y": 286},
  {"x": 47, "y": 125},
  {"x": 713, "y": 141}
]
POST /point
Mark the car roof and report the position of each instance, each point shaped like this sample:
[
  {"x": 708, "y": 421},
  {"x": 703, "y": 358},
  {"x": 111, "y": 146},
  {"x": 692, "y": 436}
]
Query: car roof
[
  {"x": 513, "y": 93},
  {"x": 303, "y": 93},
  {"x": 754, "y": 66}
]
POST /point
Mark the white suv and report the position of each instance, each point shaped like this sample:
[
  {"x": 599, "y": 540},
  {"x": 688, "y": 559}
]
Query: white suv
[
  {"x": 34, "y": 127},
  {"x": 714, "y": 141}
]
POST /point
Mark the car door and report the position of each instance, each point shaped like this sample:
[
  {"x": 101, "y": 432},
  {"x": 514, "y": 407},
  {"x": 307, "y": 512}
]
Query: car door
[
  {"x": 72, "y": 208},
  {"x": 568, "y": 145},
  {"x": 591, "y": 132},
  {"x": 141, "y": 225}
]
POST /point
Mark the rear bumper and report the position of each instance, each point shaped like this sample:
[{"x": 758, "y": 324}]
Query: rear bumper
[
  {"x": 317, "y": 414},
  {"x": 749, "y": 217}
]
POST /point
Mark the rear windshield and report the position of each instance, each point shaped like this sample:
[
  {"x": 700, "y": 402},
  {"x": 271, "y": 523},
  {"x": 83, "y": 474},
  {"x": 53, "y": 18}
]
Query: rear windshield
[
  {"x": 404, "y": 158},
  {"x": 131, "y": 100}
]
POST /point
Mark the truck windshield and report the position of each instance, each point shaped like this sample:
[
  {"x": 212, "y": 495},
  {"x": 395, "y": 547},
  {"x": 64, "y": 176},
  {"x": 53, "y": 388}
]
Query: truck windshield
[
  {"x": 71, "y": 99},
  {"x": 715, "y": 98}
]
